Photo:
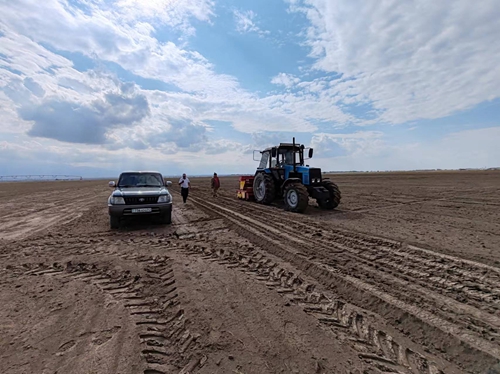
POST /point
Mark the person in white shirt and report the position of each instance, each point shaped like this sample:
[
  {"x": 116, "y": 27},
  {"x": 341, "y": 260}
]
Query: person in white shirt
[{"x": 185, "y": 186}]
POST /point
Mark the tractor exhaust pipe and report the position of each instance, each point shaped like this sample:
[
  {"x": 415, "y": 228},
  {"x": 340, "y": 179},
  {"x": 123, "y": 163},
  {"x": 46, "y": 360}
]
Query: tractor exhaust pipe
[{"x": 294, "y": 168}]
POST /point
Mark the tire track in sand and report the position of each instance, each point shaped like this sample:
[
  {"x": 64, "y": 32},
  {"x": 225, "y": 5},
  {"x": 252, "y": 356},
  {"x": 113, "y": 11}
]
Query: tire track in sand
[
  {"x": 161, "y": 324},
  {"x": 356, "y": 327},
  {"x": 285, "y": 246}
]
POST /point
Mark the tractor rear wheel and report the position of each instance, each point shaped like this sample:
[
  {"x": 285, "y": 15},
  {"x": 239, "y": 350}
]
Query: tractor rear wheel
[
  {"x": 264, "y": 189},
  {"x": 335, "y": 196},
  {"x": 296, "y": 197}
]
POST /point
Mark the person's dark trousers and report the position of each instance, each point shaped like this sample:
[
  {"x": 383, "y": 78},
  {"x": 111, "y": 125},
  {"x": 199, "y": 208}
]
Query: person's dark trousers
[{"x": 184, "y": 193}]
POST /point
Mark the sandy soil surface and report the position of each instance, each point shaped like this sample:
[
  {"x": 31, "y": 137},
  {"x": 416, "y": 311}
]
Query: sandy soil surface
[{"x": 402, "y": 277}]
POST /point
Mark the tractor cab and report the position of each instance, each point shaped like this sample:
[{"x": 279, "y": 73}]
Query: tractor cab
[
  {"x": 285, "y": 154},
  {"x": 282, "y": 173},
  {"x": 287, "y": 161}
]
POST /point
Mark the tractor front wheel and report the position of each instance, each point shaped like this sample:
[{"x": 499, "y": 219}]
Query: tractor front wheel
[
  {"x": 264, "y": 189},
  {"x": 334, "y": 200},
  {"x": 296, "y": 198}
]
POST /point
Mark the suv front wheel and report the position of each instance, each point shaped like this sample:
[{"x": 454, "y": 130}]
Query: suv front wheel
[
  {"x": 114, "y": 222},
  {"x": 166, "y": 218}
]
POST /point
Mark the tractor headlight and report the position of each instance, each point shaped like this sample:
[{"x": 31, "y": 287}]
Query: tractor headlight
[
  {"x": 164, "y": 199},
  {"x": 117, "y": 200}
]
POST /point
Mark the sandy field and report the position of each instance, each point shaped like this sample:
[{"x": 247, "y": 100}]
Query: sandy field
[{"x": 403, "y": 277}]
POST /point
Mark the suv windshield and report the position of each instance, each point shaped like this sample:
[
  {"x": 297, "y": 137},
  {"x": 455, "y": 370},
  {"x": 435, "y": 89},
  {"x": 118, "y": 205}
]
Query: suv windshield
[{"x": 140, "y": 180}]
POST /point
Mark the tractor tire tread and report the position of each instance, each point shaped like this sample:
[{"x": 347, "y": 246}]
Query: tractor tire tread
[
  {"x": 303, "y": 198},
  {"x": 335, "y": 196},
  {"x": 270, "y": 188}
]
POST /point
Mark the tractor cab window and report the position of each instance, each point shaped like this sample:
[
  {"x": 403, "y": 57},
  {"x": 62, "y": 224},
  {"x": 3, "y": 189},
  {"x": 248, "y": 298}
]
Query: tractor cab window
[
  {"x": 288, "y": 156},
  {"x": 274, "y": 158},
  {"x": 264, "y": 160}
]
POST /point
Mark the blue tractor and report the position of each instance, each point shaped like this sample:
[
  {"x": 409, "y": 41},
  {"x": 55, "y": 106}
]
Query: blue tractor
[{"x": 282, "y": 175}]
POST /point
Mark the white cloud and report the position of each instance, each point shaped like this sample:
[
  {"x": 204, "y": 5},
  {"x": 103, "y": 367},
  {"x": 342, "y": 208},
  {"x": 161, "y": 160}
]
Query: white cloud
[
  {"x": 215, "y": 96},
  {"x": 246, "y": 112},
  {"x": 407, "y": 63},
  {"x": 11, "y": 123},
  {"x": 89, "y": 124},
  {"x": 333, "y": 145},
  {"x": 223, "y": 146},
  {"x": 245, "y": 22},
  {"x": 103, "y": 35},
  {"x": 286, "y": 80},
  {"x": 46, "y": 157},
  {"x": 21, "y": 54},
  {"x": 175, "y": 13},
  {"x": 367, "y": 151},
  {"x": 481, "y": 147},
  {"x": 423, "y": 59}
]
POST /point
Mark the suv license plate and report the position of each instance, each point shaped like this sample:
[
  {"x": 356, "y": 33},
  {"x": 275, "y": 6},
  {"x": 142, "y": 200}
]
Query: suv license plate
[{"x": 142, "y": 210}]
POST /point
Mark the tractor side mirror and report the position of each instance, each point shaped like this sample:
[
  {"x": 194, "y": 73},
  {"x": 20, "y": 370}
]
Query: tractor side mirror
[
  {"x": 310, "y": 154},
  {"x": 274, "y": 152},
  {"x": 112, "y": 184},
  {"x": 258, "y": 155}
]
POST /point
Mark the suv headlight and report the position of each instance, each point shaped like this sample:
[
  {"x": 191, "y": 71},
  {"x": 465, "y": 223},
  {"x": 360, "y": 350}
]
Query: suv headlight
[
  {"x": 117, "y": 200},
  {"x": 164, "y": 199}
]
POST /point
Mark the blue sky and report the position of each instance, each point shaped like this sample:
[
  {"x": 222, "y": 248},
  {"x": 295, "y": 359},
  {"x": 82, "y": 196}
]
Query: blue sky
[{"x": 93, "y": 87}]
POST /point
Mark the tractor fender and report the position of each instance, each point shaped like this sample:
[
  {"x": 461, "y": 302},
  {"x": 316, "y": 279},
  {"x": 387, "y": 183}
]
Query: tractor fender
[
  {"x": 265, "y": 171},
  {"x": 288, "y": 181}
]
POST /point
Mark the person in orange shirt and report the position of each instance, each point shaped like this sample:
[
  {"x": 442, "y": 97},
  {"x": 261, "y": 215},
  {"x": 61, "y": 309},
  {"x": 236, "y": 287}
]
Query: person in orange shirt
[{"x": 215, "y": 184}]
